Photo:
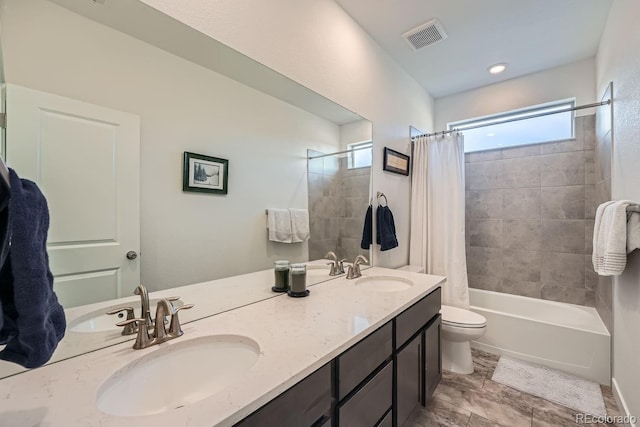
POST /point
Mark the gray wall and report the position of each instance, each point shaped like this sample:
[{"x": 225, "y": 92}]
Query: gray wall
[
  {"x": 338, "y": 200},
  {"x": 530, "y": 217}
]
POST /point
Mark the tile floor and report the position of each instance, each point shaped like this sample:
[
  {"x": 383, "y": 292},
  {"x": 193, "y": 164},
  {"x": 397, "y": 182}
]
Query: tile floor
[{"x": 476, "y": 401}]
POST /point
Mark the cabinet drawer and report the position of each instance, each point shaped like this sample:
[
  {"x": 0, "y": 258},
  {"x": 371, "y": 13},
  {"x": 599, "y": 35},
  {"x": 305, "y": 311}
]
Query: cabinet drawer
[
  {"x": 370, "y": 403},
  {"x": 362, "y": 359},
  {"x": 387, "y": 421},
  {"x": 416, "y": 316},
  {"x": 302, "y": 405}
]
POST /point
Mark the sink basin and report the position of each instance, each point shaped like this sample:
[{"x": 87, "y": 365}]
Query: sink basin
[
  {"x": 99, "y": 321},
  {"x": 177, "y": 375},
  {"x": 384, "y": 283}
]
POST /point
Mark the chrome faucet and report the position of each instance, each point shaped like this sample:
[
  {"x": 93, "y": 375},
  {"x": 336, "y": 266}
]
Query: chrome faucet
[
  {"x": 354, "y": 270},
  {"x": 160, "y": 333},
  {"x": 337, "y": 267},
  {"x": 164, "y": 308},
  {"x": 131, "y": 328},
  {"x": 145, "y": 312},
  {"x": 144, "y": 303}
]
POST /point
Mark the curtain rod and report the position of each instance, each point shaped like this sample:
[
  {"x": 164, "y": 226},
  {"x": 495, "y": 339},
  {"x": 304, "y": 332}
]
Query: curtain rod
[
  {"x": 339, "y": 152},
  {"x": 532, "y": 116}
]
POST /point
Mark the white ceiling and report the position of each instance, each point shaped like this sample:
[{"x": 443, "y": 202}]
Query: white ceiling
[{"x": 530, "y": 35}]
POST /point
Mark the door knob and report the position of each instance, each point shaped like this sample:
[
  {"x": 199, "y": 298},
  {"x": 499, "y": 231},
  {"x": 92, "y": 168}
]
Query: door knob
[{"x": 132, "y": 255}]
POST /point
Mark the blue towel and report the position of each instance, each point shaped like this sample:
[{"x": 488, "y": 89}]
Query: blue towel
[
  {"x": 5, "y": 232},
  {"x": 34, "y": 321},
  {"x": 385, "y": 229},
  {"x": 367, "y": 230}
]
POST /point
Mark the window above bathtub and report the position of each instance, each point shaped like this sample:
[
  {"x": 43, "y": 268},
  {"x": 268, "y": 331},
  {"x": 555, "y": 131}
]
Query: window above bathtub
[
  {"x": 359, "y": 156},
  {"x": 531, "y": 125}
]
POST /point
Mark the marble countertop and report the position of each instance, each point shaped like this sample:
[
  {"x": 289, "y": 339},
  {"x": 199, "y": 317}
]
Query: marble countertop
[
  {"x": 210, "y": 298},
  {"x": 306, "y": 333}
]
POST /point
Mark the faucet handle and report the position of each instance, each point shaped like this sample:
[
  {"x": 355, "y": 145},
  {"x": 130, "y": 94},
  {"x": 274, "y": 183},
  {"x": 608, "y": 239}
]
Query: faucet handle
[
  {"x": 129, "y": 328},
  {"x": 143, "y": 340},
  {"x": 360, "y": 259},
  {"x": 174, "y": 329},
  {"x": 172, "y": 299}
]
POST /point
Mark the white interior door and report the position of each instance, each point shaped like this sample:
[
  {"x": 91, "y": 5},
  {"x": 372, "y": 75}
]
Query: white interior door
[{"x": 86, "y": 160}]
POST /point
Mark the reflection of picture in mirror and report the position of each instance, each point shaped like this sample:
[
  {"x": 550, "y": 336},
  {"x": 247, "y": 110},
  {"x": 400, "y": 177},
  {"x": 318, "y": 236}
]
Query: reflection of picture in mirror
[
  {"x": 208, "y": 175},
  {"x": 205, "y": 174}
]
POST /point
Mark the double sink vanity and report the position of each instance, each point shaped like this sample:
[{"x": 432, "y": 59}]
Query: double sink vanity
[{"x": 361, "y": 352}]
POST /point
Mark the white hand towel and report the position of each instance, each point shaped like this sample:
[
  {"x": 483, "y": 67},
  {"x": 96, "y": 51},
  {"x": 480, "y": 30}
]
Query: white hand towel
[
  {"x": 598, "y": 237},
  {"x": 299, "y": 225},
  {"x": 279, "y": 225},
  {"x": 613, "y": 237},
  {"x": 633, "y": 232}
]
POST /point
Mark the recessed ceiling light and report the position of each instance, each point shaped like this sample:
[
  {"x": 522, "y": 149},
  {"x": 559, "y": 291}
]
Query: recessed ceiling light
[
  {"x": 491, "y": 134},
  {"x": 498, "y": 68}
]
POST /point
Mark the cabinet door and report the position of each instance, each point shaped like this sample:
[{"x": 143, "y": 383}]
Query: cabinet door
[
  {"x": 409, "y": 380},
  {"x": 305, "y": 404},
  {"x": 433, "y": 357}
]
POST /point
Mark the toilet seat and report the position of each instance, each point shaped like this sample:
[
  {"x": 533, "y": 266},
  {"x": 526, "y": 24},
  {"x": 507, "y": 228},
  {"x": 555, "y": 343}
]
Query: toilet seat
[{"x": 461, "y": 318}]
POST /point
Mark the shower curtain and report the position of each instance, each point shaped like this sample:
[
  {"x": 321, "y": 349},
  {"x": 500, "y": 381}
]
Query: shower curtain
[{"x": 437, "y": 241}]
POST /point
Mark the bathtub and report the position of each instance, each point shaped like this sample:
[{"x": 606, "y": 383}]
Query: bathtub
[{"x": 567, "y": 337}]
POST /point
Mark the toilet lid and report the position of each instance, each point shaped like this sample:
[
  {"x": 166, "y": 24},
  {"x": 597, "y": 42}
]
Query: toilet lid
[{"x": 462, "y": 318}]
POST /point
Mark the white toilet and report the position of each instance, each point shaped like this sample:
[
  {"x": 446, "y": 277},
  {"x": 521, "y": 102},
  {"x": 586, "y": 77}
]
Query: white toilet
[{"x": 459, "y": 328}]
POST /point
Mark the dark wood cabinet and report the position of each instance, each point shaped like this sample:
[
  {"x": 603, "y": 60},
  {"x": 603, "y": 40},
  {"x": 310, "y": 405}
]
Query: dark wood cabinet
[
  {"x": 387, "y": 421},
  {"x": 369, "y": 404},
  {"x": 409, "y": 379},
  {"x": 433, "y": 356},
  {"x": 378, "y": 382},
  {"x": 307, "y": 403},
  {"x": 357, "y": 363},
  {"x": 417, "y": 316}
]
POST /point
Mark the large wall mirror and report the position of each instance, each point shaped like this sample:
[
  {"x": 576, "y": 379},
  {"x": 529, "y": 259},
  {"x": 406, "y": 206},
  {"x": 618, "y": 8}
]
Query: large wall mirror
[{"x": 102, "y": 102}]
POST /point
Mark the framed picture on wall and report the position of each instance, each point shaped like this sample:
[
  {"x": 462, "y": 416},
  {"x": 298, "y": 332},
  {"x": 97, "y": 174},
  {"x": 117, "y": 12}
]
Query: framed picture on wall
[
  {"x": 205, "y": 174},
  {"x": 395, "y": 162}
]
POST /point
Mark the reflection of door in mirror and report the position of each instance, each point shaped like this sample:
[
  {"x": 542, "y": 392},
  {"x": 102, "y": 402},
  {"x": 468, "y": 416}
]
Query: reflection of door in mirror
[
  {"x": 339, "y": 194},
  {"x": 85, "y": 158}
]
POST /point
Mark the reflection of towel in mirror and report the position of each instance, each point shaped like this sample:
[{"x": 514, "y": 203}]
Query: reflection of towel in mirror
[
  {"x": 34, "y": 321},
  {"x": 5, "y": 235},
  {"x": 279, "y": 224},
  {"x": 367, "y": 230},
  {"x": 386, "y": 229},
  {"x": 299, "y": 225}
]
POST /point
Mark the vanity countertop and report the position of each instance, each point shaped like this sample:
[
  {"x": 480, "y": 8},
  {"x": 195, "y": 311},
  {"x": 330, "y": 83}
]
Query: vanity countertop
[
  {"x": 211, "y": 298},
  {"x": 296, "y": 337}
]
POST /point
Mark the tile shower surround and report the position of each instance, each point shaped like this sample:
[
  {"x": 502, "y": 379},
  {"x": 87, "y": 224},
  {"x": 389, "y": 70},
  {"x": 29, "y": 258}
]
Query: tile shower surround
[
  {"x": 529, "y": 218},
  {"x": 338, "y": 201}
]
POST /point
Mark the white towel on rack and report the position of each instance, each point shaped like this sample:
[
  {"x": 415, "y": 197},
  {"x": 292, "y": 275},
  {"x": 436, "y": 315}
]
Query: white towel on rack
[
  {"x": 299, "y": 225},
  {"x": 633, "y": 231},
  {"x": 610, "y": 238},
  {"x": 279, "y": 225}
]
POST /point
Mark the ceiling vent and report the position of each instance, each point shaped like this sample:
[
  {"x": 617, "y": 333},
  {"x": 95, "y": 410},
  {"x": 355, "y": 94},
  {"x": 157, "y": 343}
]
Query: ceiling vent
[{"x": 425, "y": 35}]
